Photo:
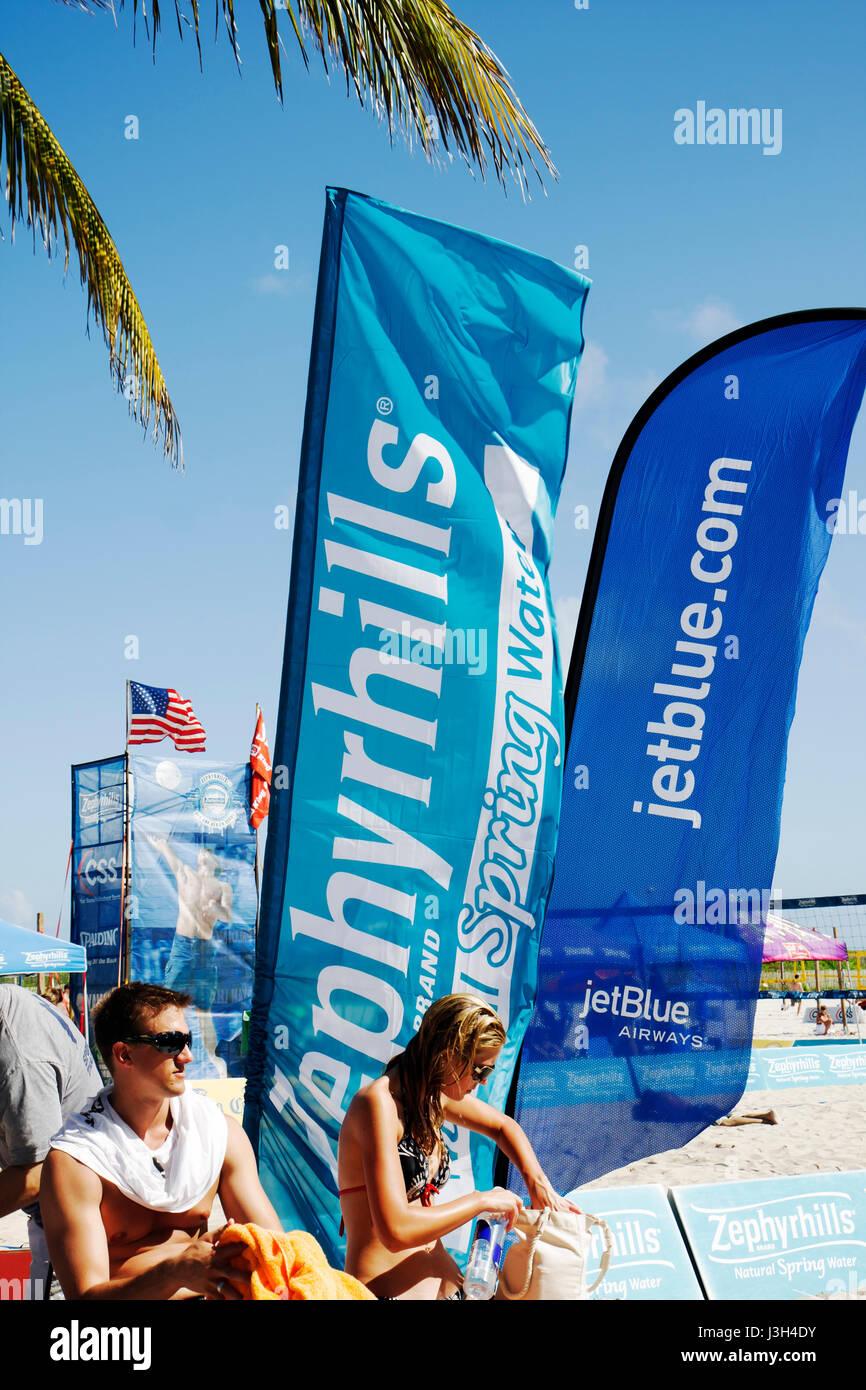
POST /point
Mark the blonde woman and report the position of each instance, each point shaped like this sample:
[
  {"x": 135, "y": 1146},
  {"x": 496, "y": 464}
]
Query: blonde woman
[{"x": 393, "y": 1160}]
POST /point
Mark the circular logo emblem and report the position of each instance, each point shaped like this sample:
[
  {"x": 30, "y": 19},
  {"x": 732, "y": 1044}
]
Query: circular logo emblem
[
  {"x": 384, "y": 405},
  {"x": 215, "y": 804}
]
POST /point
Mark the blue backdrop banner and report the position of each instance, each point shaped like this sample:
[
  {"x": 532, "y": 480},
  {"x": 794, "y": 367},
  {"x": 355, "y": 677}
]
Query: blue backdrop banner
[
  {"x": 192, "y": 904},
  {"x": 711, "y": 540},
  {"x": 420, "y": 719},
  {"x": 98, "y": 810}
]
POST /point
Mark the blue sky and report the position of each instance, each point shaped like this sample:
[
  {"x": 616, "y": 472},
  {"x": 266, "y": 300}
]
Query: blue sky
[{"x": 684, "y": 242}]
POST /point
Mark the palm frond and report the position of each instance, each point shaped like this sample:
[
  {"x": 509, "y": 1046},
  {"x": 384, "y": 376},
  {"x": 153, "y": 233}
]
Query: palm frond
[
  {"x": 412, "y": 61},
  {"x": 42, "y": 189}
]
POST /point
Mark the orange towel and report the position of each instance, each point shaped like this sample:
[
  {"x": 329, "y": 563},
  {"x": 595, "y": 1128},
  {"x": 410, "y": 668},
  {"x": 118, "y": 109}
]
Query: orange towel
[{"x": 288, "y": 1266}]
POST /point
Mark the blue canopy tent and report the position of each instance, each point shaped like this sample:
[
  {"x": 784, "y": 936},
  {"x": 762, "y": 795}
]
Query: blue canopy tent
[{"x": 25, "y": 952}]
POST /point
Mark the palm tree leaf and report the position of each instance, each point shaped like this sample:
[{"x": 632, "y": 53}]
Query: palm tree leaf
[
  {"x": 43, "y": 189},
  {"x": 410, "y": 60},
  {"x": 415, "y": 60}
]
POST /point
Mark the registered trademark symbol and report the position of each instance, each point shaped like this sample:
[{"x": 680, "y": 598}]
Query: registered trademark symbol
[{"x": 384, "y": 405}]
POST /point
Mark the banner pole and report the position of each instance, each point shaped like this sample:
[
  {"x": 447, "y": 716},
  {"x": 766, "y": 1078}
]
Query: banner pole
[
  {"x": 258, "y": 890},
  {"x": 839, "y": 979},
  {"x": 256, "y": 832},
  {"x": 123, "y": 954},
  {"x": 40, "y": 927},
  {"x": 63, "y": 891}
]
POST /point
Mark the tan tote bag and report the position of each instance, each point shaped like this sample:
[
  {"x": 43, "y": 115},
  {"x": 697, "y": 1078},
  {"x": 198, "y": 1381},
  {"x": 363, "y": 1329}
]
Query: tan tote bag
[{"x": 549, "y": 1260}]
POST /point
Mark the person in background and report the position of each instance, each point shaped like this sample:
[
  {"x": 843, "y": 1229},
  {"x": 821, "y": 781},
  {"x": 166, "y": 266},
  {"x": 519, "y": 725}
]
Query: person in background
[
  {"x": 392, "y": 1158},
  {"x": 55, "y": 996},
  {"x": 203, "y": 899},
  {"x": 46, "y": 1074}
]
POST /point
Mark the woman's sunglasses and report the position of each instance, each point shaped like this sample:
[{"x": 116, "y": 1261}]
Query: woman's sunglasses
[
  {"x": 480, "y": 1074},
  {"x": 169, "y": 1043}
]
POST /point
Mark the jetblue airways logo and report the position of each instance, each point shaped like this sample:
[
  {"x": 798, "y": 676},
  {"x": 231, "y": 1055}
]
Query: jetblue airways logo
[{"x": 633, "y": 1002}]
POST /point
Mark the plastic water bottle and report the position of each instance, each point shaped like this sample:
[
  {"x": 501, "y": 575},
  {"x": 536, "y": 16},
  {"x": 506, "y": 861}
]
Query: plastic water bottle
[{"x": 483, "y": 1269}]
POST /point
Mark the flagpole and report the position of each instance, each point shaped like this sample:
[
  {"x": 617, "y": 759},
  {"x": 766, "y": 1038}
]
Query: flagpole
[
  {"x": 256, "y": 833},
  {"x": 258, "y": 891}
]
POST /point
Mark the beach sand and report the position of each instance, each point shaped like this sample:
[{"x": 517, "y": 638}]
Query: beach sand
[
  {"x": 13, "y": 1231},
  {"x": 774, "y": 1023},
  {"x": 821, "y": 1129}
]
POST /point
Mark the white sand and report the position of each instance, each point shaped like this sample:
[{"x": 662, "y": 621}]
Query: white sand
[
  {"x": 13, "y": 1231},
  {"x": 821, "y": 1129},
  {"x": 786, "y": 1025}
]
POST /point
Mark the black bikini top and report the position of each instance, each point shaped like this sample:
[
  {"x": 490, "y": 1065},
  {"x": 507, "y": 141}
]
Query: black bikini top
[
  {"x": 416, "y": 1173},
  {"x": 416, "y": 1170}
]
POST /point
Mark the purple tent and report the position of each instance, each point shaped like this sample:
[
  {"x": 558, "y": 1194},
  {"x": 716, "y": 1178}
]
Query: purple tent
[{"x": 784, "y": 940}]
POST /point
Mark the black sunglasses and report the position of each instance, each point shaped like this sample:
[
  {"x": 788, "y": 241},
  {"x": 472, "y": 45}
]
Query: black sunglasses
[
  {"x": 480, "y": 1074},
  {"x": 169, "y": 1043}
]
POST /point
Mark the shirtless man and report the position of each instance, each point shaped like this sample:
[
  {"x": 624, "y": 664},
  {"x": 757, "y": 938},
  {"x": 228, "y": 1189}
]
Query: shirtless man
[
  {"x": 168, "y": 1151},
  {"x": 202, "y": 898},
  {"x": 202, "y": 901}
]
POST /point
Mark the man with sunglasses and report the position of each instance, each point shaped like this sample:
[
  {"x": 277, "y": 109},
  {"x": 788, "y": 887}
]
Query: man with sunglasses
[{"x": 130, "y": 1181}]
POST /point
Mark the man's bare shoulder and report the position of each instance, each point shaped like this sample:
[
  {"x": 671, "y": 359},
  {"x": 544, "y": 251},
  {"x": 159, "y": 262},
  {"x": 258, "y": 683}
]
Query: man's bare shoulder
[
  {"x": 63, "y": 1167},
  {"x": 237, "y": 1142},
  {"x": 69, "y": 1185}
]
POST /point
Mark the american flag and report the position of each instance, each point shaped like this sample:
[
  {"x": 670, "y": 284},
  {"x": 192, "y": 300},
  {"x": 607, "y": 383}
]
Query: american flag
[{"x": 157, "y": 714}]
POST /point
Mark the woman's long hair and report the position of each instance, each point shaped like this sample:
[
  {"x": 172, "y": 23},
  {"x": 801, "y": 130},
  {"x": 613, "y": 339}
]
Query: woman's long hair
[{"x": 452, "y": 1031}]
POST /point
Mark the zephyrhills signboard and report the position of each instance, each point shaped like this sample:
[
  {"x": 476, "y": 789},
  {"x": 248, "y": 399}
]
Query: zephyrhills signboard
[
  {"x": 98, "y": 808},
  {"x": 778, "y": 1238},
  {"x": 649, "y": 1258}
]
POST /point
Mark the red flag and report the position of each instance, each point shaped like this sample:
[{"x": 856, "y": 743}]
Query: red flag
[{"x": 260, "y": 762}]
